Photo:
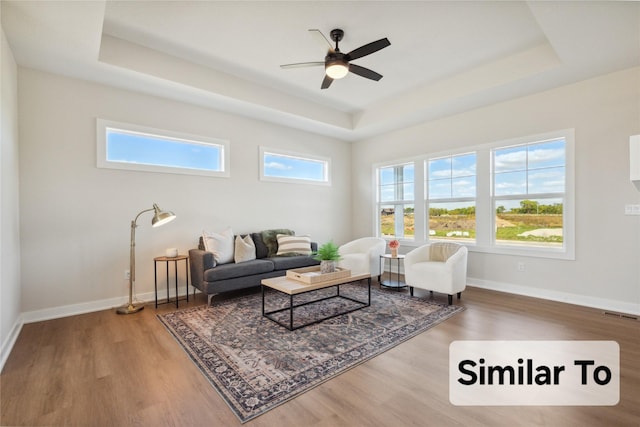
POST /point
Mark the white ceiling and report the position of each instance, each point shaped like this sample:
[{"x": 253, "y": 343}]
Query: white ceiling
[{"x": 444, "y": 58}]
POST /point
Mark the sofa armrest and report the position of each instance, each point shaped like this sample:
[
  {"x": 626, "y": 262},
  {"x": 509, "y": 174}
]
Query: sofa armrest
[{"x": 199, "y": 262}]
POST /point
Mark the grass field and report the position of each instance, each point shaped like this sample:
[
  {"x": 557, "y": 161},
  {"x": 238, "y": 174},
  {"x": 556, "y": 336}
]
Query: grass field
[{"x": 510, "y": 227}]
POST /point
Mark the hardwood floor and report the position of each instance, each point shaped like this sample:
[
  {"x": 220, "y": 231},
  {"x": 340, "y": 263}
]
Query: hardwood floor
[{"x": 101, "y": 369}]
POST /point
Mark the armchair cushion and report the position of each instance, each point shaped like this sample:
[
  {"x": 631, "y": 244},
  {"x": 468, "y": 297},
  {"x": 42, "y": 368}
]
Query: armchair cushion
[{"x": 441, "y": 251}]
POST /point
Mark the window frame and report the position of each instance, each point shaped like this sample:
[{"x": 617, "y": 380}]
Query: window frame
[
  {"x": 296, "y": 155},
  {"x": 103, "y": 126},
  {"x": 485, "y": 213},
  {"x": 409, "y": 202},
  {"x": 567, "y": 251}
]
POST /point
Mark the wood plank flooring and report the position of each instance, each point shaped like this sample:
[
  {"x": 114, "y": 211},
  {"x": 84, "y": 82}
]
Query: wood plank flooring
[{"x": 102, "y": 369}]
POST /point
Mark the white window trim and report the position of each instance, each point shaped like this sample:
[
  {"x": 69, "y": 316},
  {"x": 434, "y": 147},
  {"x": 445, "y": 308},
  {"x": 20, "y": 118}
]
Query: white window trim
[
  {"x": 101, "y": 139},
  {"x": 567, "y": 251},
  {"x": 485, "y": 217},
  {"x": 297, "y": 155}
]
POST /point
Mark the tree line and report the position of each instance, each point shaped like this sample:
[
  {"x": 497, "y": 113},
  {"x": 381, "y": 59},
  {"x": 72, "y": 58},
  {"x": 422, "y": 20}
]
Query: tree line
[{"x": 526, "y": 207}]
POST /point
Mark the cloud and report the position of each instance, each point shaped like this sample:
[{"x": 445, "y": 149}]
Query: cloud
[{"x": 278, "y": 166}]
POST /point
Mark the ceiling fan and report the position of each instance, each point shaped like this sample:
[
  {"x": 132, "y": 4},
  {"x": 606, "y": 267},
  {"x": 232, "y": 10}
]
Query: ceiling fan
[{"x": 337, "y": 64}]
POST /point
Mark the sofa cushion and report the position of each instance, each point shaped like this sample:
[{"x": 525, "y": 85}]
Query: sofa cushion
[
  {"x": 261, "y": 249},
  {"x": 231, "y": 271},
  {"x": 293, "y": 245},
  {"x": 221, "y": 244},
  {"x": 270, "y": 238},
  {"x": 245, "y": 249},
  {"x": 289, "y": 262}
]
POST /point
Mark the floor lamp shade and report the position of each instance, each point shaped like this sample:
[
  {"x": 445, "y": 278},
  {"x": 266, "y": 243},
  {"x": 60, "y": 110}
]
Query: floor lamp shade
[{"x": 160, "y": 217}]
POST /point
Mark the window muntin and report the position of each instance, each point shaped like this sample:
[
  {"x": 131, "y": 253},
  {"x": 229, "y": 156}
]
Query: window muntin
[
  {"x": 128, "y": 146},
  {"x": 451, "y": 197},
  {"x": 534, "y": 168},
  {"x": 286, "y": 166},
  {"x": 396, "y": 194}
]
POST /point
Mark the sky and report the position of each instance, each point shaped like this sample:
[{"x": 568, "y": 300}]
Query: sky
[
  {"x": 520, "y": 172},
  {"x": 155, "y": 150}
]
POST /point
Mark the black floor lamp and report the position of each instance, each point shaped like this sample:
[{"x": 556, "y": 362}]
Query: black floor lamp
[{"x": 159, "y": 218}]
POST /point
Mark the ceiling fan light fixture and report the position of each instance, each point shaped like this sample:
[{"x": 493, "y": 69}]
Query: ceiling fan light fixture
[{"x": 337, "y": 69}]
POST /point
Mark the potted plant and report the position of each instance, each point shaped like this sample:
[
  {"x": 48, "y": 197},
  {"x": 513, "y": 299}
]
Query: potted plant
[{"x": 328, "y": 255}]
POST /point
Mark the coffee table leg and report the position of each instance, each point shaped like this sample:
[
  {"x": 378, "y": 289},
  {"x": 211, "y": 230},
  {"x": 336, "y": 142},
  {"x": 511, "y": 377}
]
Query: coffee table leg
[
  {"x": 291, "y": 312},
  {"x": 369, "y": 283},
  {"x": 262, "y": 286}
]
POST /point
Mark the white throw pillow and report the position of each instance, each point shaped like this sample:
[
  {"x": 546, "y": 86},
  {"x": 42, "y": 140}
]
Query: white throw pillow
[
  {"x": 245, "y": 249},
  {"x": 293, "y": 245},
  {"x": 221, "y": 244}
]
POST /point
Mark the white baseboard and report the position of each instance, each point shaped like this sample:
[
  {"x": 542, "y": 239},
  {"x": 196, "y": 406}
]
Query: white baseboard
[
  {"x": 10, "y": 341},
  {"x": 89, "y": 307},
  {"x": 600, "y": 303}
]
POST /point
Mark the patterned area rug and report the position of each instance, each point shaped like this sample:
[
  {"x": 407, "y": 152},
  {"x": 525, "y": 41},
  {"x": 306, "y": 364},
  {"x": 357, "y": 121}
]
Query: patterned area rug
[{"x": 257, "y": 365}]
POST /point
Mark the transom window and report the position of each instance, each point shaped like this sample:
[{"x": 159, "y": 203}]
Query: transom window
[
  {"x": 277, "y": 165},
  {"x": 127, "y": 146}
]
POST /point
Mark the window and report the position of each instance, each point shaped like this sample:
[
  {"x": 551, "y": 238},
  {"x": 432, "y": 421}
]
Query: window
[
  {"x": 529, "y": 190},
  {"x": 451, "y": 190},
  {"x": 126, "y": 146},
  {"x": 292, "y": 167},
  {"x": 396, "y": 201},
  {"x": 511, "y": 197}
]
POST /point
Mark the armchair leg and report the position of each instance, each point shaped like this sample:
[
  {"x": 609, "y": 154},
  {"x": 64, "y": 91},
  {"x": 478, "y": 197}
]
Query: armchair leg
[
  {"x": 459, "y": 295},
  {"x": 450, "y": 299},
  {"x": 411, "y": 290},
  {"x": 209, "y": 298}
]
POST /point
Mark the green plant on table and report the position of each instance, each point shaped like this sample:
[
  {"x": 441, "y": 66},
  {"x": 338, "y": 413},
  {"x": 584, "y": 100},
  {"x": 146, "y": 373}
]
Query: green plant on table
[{"x": 328, "y": 252}]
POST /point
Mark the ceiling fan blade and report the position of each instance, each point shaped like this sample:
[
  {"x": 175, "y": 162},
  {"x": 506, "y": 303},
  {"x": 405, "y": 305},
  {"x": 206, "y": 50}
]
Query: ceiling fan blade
[
  {"x": 364, "y": 72},
  {"x": 322, "y": 40},
  {"x": 326, "y": 82},
  {"x": 302, "y": 64},
  {"x": 368, "y": 49}
]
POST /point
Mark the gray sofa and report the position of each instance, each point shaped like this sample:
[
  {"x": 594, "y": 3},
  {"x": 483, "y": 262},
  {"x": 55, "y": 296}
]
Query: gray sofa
[{"x": 212, "y": 278}]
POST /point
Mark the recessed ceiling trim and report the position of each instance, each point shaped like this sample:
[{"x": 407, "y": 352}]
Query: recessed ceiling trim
[{"x": 134, "y": 57}]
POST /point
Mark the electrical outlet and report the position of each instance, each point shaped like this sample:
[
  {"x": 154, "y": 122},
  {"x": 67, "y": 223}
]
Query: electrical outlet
[
  {"x": 521, "y": 266},
  {"x": 127, "y": 274},
  {"x": 632, "y": 209}
]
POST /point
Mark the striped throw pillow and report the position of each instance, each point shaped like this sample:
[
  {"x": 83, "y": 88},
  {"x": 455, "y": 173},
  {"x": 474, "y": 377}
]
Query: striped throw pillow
[{"x": 293, "y": 245}]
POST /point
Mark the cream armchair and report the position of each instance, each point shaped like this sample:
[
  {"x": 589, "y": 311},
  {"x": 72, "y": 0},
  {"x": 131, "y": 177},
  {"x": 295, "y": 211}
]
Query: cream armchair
[
  {"x": 438, "y": 267},
  {"x": 362, "y": 256}
]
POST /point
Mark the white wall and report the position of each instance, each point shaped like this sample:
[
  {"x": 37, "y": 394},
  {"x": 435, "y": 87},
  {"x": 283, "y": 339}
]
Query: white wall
[
  {"x": 75, "y": 218},
  {"x": 605, "y": 112},
  {"x": 9, "y": 219}
]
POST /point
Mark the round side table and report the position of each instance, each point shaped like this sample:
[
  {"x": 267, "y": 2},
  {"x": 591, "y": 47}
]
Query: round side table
[{"x": 397, "y": 284}]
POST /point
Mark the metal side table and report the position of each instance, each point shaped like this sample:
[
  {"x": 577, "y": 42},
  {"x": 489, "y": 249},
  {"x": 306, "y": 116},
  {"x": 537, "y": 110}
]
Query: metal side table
[
  {"x": 397, "y": 284},
  {"x": 174, "y": 260}
]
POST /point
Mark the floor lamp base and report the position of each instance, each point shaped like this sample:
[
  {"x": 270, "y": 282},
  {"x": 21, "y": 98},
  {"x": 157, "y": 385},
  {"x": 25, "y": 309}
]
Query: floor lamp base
[{"x": 129, "y": 309}]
